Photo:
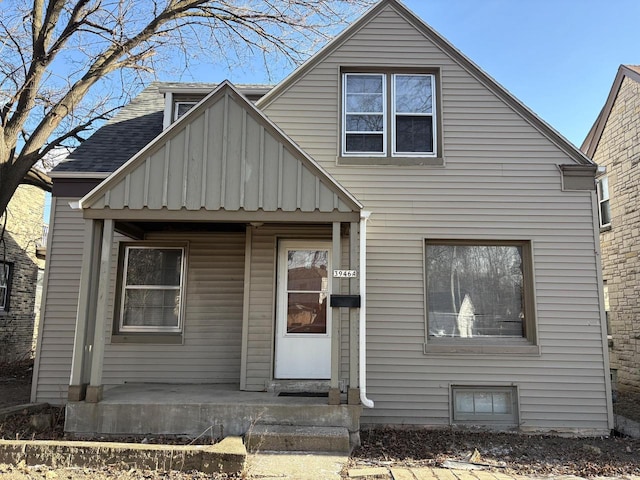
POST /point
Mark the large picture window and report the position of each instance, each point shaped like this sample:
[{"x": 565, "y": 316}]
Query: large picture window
[
  {"x": 479, "y": 290},
  {"x": 401, "y": 124},
  {"x": 151, "y": 289},
  {"x": 5, "y": 286}
]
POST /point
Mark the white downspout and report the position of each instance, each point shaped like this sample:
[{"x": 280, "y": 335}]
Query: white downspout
[{"x": 364, "y": 216}]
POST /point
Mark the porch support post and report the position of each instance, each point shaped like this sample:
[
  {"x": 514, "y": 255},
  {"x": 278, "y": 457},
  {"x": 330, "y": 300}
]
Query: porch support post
[
  {"x": 334, "y": 385},
  {"x": 83, "y": 335},
  {"x": 353, "y": 394},
  {"x": 94, "y": 390}
]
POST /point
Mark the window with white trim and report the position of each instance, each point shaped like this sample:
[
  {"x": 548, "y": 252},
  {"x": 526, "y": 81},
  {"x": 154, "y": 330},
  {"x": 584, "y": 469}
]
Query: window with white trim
[
  {"x": 5, "y": 285},
  {"x": 479, "y": 291},
  {"x": 151, "y": 289},
  {"x": 484, "y": 405},
  {"x": 180, "y": 108},
  {"x": 604, "y": 209},
  {"x": 401, "y": 123}
]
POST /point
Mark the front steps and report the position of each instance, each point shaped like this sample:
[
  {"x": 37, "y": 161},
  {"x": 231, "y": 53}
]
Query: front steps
[
  {"x": 215, "y": 411},
  {"x": 288, "y": 438}
]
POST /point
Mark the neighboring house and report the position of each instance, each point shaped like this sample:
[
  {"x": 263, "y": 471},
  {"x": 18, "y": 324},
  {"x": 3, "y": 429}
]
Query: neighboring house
[
  {"x": 22, "y": 252},
  {"x": 387, "y": 225},
  {"x": 614, "y": 144}
]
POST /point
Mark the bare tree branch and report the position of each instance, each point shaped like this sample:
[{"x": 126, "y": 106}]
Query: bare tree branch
[{"x": 66, "y": 64}]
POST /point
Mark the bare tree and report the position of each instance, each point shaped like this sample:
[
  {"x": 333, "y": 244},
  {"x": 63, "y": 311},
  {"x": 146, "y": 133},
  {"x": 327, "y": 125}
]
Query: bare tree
[{"x": 66, "y": 65}]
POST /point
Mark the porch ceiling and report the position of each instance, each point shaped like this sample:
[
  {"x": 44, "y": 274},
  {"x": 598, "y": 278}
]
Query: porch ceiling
[{"x": 223, "y": 161}]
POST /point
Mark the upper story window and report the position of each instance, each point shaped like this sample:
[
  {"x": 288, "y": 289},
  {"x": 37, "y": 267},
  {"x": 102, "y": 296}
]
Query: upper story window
[
  {"x": 389, "y": 115},
  {"x": 479, "y": 292},
  {"x": 603, "y": 201},
  {"x": 5, "y": 286}
]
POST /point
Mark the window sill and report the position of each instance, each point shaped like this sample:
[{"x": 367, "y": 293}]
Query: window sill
[
  {"x": 458, "y": 348},
  {"x": 606, "y": 228},
  {"x": 149, "y": 338},
  {"x": 392, "y": 161}
]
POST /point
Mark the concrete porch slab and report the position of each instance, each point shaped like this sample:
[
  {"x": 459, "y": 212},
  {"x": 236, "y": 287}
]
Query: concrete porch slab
[{"x": 202, "y": 410}]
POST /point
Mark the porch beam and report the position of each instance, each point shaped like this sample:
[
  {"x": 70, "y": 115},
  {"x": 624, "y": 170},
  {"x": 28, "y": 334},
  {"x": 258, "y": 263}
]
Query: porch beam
[
  {"x": 83, "y": 334},
  {"x": 336, "y": 262},
  {"x": 94, "y": 390},
  {"x": 353, "y": 394},
  {"x": 202, "y": 215}
]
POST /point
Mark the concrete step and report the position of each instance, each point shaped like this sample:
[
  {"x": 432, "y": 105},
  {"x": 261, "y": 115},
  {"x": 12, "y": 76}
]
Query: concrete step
[{"x": 288, "y": 438}]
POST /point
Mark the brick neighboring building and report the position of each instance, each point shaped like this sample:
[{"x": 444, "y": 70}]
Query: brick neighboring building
[
  {"x": 21, "y": 261},
  {"x": 614, "y": 144}
]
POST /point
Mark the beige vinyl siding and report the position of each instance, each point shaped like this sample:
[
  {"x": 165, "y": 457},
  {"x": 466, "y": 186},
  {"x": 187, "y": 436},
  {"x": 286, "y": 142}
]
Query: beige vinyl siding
[
  {"x": 262, "y": 308},
  {"x": 62, "y": 274},
  {"x": 500, "y": 181},
  {"x": 210, "y": 352}
]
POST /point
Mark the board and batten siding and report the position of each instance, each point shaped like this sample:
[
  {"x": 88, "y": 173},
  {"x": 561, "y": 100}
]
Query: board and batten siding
[
  {"x": 500, "y": 180},
  {"x": 222, "y": 156}
]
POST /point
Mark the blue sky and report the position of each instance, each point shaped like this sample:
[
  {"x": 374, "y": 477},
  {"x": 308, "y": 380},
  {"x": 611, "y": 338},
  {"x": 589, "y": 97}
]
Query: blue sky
[{"x": 559, "y": 57}]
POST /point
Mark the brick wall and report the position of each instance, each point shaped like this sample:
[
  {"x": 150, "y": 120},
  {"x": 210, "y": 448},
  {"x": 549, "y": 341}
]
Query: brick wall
[
  {"x": 619, "y": 151},
  {"x": 23, "y": 234}
]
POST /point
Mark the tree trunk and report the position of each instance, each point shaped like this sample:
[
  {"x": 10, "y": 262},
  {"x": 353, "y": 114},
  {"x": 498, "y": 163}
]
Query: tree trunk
[{"x": 11, "y": 175}]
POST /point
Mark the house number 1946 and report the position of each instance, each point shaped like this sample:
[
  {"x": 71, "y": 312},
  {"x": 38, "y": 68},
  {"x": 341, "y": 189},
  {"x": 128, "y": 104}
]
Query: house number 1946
[{"x": 345, "y": 273}]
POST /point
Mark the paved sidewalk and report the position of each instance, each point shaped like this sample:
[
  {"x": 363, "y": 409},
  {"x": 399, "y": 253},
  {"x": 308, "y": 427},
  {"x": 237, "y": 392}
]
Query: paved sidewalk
[
  {"x": 430, "y": 473},
  {"x": 311, "y": 466},
  {"x": 298, "y": 466}
]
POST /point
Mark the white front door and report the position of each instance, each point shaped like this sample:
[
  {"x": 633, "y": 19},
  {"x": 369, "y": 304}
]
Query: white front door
[{"x": 303, "y": 318}]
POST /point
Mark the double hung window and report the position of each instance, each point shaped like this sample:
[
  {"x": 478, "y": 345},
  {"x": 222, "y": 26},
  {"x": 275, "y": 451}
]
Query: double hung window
[
  {"x": 603, "y": 201},
  {"x": 5, "y": 285},
  {"x": 151, "y": 293},
  {"x": 377, "y": 123}
]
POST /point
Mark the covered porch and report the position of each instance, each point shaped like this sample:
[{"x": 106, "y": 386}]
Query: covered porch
[{"x": 201, "y": 330}]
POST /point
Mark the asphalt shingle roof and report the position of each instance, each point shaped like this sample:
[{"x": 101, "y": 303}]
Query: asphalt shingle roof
[{"x": 133, "y": 127}]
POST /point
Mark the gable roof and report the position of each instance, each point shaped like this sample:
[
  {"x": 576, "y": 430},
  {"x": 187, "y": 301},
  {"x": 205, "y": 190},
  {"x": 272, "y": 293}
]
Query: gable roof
[
  {"x": 593, "y": 137},
  {"x": 222, "y": 155},
  {"x": 528, "y": 115},
  {"x": 134, "y": 126}
]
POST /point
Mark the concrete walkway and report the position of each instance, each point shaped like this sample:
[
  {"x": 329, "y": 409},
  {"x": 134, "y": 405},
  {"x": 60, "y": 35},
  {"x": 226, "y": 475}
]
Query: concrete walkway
[
  {"x": 430, "y": 473},
  {"x": 278, "y": 466},
  {"x": 299, "y": 466}
]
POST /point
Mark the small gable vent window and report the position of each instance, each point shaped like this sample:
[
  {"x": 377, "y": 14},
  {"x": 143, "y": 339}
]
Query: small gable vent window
[
  {"x": 180, "y": 108},
  {"x": 388, "y": 115},
  {"x": 603, "y": 201}
]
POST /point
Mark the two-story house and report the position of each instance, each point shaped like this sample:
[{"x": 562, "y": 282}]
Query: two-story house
[
  {"x": 614, "y": 144},
  {"x": 387, "y": 227}
]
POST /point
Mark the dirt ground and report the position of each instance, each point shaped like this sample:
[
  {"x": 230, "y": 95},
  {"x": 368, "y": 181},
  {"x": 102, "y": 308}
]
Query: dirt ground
[{"x": 506, "y": 452}]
